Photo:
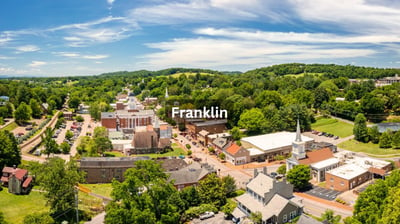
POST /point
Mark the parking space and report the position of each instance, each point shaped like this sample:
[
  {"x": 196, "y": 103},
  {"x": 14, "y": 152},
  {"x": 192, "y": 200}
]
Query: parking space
[{"x": 323, "y": 193}]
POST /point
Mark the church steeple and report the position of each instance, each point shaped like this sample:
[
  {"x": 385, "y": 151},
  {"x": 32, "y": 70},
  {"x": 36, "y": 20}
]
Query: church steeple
[
  {"x": 298, "y": 146},
  {"x": 298, "y": 133}
]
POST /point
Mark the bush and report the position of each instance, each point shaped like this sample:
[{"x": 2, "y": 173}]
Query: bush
[
  {"x": 189, "y": 152},
  {"x": 188, "y": 146},
  {"x": 222, "y": 156},
  {"x": 79, "y": 118}
]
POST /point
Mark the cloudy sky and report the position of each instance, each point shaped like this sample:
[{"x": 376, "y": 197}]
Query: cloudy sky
[{"x": 84, "y": 37}]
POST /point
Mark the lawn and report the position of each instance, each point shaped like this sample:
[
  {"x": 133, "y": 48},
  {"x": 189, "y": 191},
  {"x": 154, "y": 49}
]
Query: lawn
[
  {"x": 333, "y": 126},
  {"x": 113, "y": 154},
  {"x": 16, "y": 207},
  {"x": 177, "y": 150},
  {"x": 100, "y": 189},
  {"x": 370, "y": 148},
  {"x": 10, "y": 126}
]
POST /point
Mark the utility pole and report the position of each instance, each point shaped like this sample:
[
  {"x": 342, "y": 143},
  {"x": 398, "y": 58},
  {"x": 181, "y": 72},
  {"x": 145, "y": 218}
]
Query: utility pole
[{"x": 76, "y": 205}]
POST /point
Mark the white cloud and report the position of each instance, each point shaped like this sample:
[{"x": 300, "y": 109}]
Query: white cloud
[
  {"x": 69, "y": 54},
  {"x": 27, "y": 48},
  {"x": 223, "y": 53},
  {"x": 95, "y": 57},
  {"x": 110, "y": 2},
  {"x": 37, "y": 63}
]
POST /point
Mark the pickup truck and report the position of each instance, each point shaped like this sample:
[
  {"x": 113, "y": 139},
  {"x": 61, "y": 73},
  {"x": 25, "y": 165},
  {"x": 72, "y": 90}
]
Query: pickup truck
[{"x": 206, "y": 215}]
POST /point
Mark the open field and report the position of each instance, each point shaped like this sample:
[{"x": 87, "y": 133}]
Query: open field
[
  {"x": 333, "y": 126},
  {"x": 176, "y": 75},
  {"x": 100, "y": 189},
  {"x": 369, "y": 148},
  {"x": 16, "y": 207},
  {"x": 176, "y": 152},
  {"x": 302, "y": 74}
]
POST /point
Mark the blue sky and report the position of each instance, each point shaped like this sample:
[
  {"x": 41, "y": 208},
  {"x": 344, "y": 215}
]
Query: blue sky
[{"x": 85, "y": 37}]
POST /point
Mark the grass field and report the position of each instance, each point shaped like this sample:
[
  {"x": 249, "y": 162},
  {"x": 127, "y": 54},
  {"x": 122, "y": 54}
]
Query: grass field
[
  {"x": 177, "y": 150},
  {"x": 10, "y": 126},
  {"x": 370, "y": 148},
  {"x": 113, "y": 154},
  {"x": 333, "y": 126},
  {"x": 100, "y": 189},
  {"x": 176, "y": 75},
  {"x": 302, "y": 74},
  {"x": 16, "y": 207}
]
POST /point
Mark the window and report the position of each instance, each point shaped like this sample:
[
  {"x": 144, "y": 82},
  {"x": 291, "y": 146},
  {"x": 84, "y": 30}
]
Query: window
[
  {"x": 103, "y": 173},
  {"x": 293, "y": 214},
  {"x": 331, "y": 179},
  {"x": 341, "y": 183},
  {"x": 284, "y": 218}
]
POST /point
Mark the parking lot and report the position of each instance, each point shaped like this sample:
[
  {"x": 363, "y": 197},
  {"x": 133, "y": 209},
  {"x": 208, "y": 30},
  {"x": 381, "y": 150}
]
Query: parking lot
[{"x": 323, "y": 193}]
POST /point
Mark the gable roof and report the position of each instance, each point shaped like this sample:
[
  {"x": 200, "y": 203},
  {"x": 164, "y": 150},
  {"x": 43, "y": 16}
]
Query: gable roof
[
  {"x": 233, "y": 149},
  {"x": 316, "y": 156},
  {"x": 304, "y": 219},
  {"x": 190, "y": 174},
  {"x": 18, "y": 173},
  {"x": 270, "y": 142},
  {"x": 220, "y": 142},
  {"x": 261, "y": 184}
]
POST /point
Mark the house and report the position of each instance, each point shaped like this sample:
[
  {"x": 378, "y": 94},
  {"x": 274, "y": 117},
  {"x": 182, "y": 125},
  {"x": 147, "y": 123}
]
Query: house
[
  {"x": 4, "y": 100},
  {"x": 190, "y": 175},
  {"x": 17, "y": 180},
  {"x": 271, "y": 197},
  {"x": 237, "y": 155},
  {"x": 212, "y": 137},
  {"x": 305, "y": 219},
  {"x": 272, "y": 145},
  {"x": 220, "y": 144}
]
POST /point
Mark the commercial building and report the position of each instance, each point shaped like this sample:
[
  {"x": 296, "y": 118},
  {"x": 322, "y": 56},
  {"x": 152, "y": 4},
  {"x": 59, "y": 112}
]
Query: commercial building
[
  {"x": 237, "y": 155},
  {"x": 211, "y": 126}
]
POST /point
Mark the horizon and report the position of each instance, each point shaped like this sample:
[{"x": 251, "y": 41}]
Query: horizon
[{"x": 83, "y": 38}]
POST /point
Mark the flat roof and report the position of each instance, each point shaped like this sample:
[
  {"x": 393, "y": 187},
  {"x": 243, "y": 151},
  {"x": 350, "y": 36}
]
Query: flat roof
[
  {"x": 120, "y": 141},
  {"x": 255, "y": 152},
  {"x": 272, "y": 141},
  {"x": 348, "y": 171},
  {"x": 325, "y": 163},
  {"x": 224, "y": 134},
  {"x": 210, "y": 122}
]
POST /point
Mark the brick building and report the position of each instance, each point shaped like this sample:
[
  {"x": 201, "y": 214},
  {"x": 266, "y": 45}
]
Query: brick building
[
  {"x": 190, "y": 175},
  {"x": 211, "y": 126},
  {"x": 237, "y": 155},
  {"x": 121, "y": 119}
]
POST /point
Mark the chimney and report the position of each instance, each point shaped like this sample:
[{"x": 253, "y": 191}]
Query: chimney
[
  {"x": 255, "y": 172},
  {"x": 265, "y": 170},
  {"x": 15, "y": 167}
]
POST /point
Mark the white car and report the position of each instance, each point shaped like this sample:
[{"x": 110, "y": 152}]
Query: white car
[{"x": 206, "y": 215}]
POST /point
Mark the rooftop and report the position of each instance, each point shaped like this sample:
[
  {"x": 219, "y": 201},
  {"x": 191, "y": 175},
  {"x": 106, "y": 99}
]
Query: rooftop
[
  {"x": 255, "y": 152},
  {"x": 233, "y": 149},
  {"x": 272, "y": 141},
  {"x": 191, "y": 174},
  {"x": 347, "y": 171},
  {"x": 261, "y": 184},
  {"x": 325, "y": 163},
  {"x": 210, "y": 122},
  {"x": 317, "y": 156}
]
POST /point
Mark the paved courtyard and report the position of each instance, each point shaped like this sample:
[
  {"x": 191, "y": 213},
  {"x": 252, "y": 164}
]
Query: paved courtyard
[{"x": 323, "y": 193}]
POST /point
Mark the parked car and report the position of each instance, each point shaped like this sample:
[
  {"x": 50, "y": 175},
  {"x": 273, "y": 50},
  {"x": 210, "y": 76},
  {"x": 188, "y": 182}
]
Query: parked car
[
  {"x": 336, "y": 137},
  {"x": 206, "y": 215}
]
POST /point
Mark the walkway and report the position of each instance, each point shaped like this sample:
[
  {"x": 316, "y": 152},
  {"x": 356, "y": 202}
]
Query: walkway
[{"x": 9, "y": 121}]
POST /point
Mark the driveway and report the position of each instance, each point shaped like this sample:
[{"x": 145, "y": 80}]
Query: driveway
[{"x": 217, "y": 219}]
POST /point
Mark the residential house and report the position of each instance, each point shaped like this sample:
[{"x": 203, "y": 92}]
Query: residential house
[
  {"x": 271, "y": 197},
  {"x": 4, "y": 100},
  {"x": 237, "y": 155},
  {"x": 17, "y": 180},
  {"x": 221, "y": 144},
  {"x": 190, "y": 175}
]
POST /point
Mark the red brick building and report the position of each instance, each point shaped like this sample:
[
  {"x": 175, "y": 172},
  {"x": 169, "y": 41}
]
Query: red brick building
[
  {"x": 120, "y": 120},
  {"x": 211, "y": 126}
]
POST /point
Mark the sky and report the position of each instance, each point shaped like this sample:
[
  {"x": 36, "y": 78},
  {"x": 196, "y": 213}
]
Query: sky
[{"x": 89, "y": 37}]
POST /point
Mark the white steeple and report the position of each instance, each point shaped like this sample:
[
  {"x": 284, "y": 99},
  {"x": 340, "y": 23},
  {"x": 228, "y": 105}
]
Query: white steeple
[
  {"x": 166, "y": 93},
  {"x": 298, "y": 146}
]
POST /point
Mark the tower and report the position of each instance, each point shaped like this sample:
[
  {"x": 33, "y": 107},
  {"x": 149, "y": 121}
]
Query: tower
[{"x": 298, "y": 146}]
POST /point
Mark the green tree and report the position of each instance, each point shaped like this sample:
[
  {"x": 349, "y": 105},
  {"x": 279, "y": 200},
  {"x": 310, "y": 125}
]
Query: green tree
[
  {"x": 236, "y": 133},
  {"x": 228, "y": 207},
  {"x": 36, "y": 108},
  {"x": 23, "y": 113},
  {"x": 385, "y": 141},
  {"x": 212, "y": 191},
  {"x": 74, "y": 102},
  {"x": 256, "y": 217},
  {"x": 321, "y": 95},
  {"x": 350, "y": 95},
  {"x": 360, "y": 129},
  {"x": 50, "y": 145},
  {"x": 299, "y": 176},
  {"x": 229, "y": 184},
  {"x": 79, "y": 118},
  {"x": 330, "y": 217},
  {"x": 68, "y": 135},
  {"x": 100, "y": 132},
  {"x": 190, "y": 196},
  {"x": 391, "y": 207},
  {"x": 396, "y": 140},
  {"x": 374, "y": 134},
  {"x": 65, "y": 147},
  {"x": 58, "y": 180},
  {"x": 282, "y": 169},
  {"x": 268, "y": 97},
  {"x": 103, "y": 144},
  {"x": 221, "y": 156},
  {"x": 38, "y": 218},
  {"x": 189, "y": 152},
  {"x": 9, "y": 150},
  {"x": 253, "y": 120}
]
